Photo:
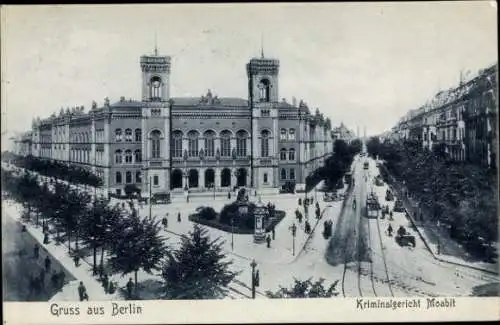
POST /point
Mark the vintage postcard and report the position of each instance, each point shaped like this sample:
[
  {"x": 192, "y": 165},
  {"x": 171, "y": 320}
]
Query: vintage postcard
[{"x": 235, "y": 163}]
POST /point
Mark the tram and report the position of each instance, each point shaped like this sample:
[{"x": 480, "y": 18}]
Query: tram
[{"x": 372, "y": 206}]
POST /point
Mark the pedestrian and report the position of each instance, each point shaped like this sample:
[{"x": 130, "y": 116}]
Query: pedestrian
[
  {"x": 47, "y": 263},
  {"x": 36, "y": 251},
  {"x": 45, "y": 238},
  {"x": 105, "y": 283},
  {"x": 307, "y": 227},
  {"x": 111, "y": 288},
  {"x": 268, "y": 240},
  {"x": 389, "y": 230},
  {"x": 164, "y": 222},
  {"x": 300, "y": 217},
  {"x": 273, "y": 232},
  {"x": 82, "y": 291},
  {"x": 178, "y": 217},
  {"x": 229, "y": 195},
  {"x": 76, "y": 260},
  {"x": 130, "y": 286}
]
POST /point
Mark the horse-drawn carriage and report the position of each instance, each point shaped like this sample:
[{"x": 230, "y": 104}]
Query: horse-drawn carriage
[
  {"x": 398, "y": 206},
  {"x": 404, "y": 238}
]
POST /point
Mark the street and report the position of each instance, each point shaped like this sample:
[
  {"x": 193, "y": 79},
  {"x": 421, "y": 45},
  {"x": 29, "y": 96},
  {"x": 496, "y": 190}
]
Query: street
[{"x": 19, "y": 264}]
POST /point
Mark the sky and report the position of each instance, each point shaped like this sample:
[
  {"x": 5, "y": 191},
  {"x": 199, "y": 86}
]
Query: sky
[{"x": 363, "y": 64}]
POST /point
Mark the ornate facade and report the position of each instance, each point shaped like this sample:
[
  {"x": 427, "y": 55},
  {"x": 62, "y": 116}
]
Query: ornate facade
[
  {"x": 201, "y": 143},
  {"x": 462, "y": 119}
]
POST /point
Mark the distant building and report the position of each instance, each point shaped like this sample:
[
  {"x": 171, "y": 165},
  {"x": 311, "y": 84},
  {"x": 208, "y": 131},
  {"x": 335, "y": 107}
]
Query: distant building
[
  {"x": 174, "y": 143},
  {"x": 462, "y": 119},
  {"x": 341, "y": 132}
]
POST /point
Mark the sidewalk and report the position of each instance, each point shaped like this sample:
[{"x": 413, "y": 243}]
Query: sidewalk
[
  {"x": 450, "y": 250},
  {"x": 60, "y": 252}
]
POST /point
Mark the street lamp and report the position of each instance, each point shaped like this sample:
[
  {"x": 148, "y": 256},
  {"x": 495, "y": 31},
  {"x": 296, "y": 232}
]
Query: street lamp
[
  {"x": 150, "y": 197},
  {"x": 294, "y": 232},
  {"x": 255, "y": 278},
  {"x": 232, "y": 233}
]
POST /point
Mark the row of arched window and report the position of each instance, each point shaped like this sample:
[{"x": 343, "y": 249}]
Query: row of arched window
[
  {"x": 129, "y": 135},
  {"x": 287, "y": 134},
  {"x": 287, "y": 153},
  {"x": 128, "y": 177},
  {"x": 126, "y": 157}
]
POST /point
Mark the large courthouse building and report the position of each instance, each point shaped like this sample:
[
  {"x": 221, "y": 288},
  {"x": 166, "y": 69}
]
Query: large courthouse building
[{"x": 195, "y": 142}]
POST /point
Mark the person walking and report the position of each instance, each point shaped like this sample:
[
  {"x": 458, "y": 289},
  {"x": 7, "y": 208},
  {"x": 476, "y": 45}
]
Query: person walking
[
  {"x": 273, "y": 232},
  {"x": 45, "y": 238},
  {"x": 105, "y": 283},
  {"x": 76, "y": 260},
  {"x": 48, "y": 262},
  {"x": 82, "y": 291},
  {"x": 36, "y": 251},
  {"x": 130, "y": 286},
  {"x": 307, "y": 227},
  {"x": 268, "y": 240},
  {"x": 178, "y": 217}
]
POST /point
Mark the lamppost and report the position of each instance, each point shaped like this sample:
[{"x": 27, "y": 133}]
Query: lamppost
[
  {"x": 150, "y": 198},
  {"x": 255, "y": 277},
  {"x": 294, "y": 232},
  {"x": 213, "y": 185},
  {"x": 232, "y": 233}
]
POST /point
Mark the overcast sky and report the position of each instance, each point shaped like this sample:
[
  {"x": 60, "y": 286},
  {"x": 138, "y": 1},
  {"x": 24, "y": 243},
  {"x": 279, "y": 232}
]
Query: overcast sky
[{"x": 361, "y": 64}]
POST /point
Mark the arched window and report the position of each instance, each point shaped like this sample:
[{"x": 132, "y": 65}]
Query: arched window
[
  {"x": 128, "y": 156},
  {"x": 128, "y": 135},
  {"x": 138, "y": 177},
  {"x": 283, "y": 173},
  {"x": 118, "y": 156},
  {"x": 264, "y": 90},
  {"x": 291, "y": 154},
  {"x": 128, "y": 177},
  {"x": 118, "y": 178},
  {"x": 283, "y": 134},
  {"x": 241, "y": 143},
  {"x": 291, "y": 134},
  {"x": 292, "y": 173},
  {"x": 283, "y": 154},
  {"x": 209, "y": 143},
  {"x": 155, "y": 88},
  {"x": 118, "y": 135},
  {"x": 193, "y": 143},
  {"x": 176, "y": 144},
  {"x": 138, "y": 135},
  {"x": 138, "y": 155},
  {"x": 264, "y": 143},
  {"x": 155, "y": 144},
  {"x": 225, "y": 143}
]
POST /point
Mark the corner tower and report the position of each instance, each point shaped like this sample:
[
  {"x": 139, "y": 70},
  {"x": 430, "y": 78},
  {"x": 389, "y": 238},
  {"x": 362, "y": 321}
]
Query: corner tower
[
  {"x": 263, "y": 97},
  {"x": 155, "y": 123}
]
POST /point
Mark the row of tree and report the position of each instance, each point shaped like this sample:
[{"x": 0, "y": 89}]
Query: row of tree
[
  {"x": 198, "y": 269},
  {"x": 336, "y": 165},
  {"x": 459, "y": 195},
  {"x": 56, "y": 169}
]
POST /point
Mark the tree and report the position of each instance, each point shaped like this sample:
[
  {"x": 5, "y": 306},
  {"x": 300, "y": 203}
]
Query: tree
[
  {"x": 197, "y": 270},
  {"x": 137, "y": 245},
  {"x": 306, "y": 289},
  {"x": 373, "y": 146}
]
